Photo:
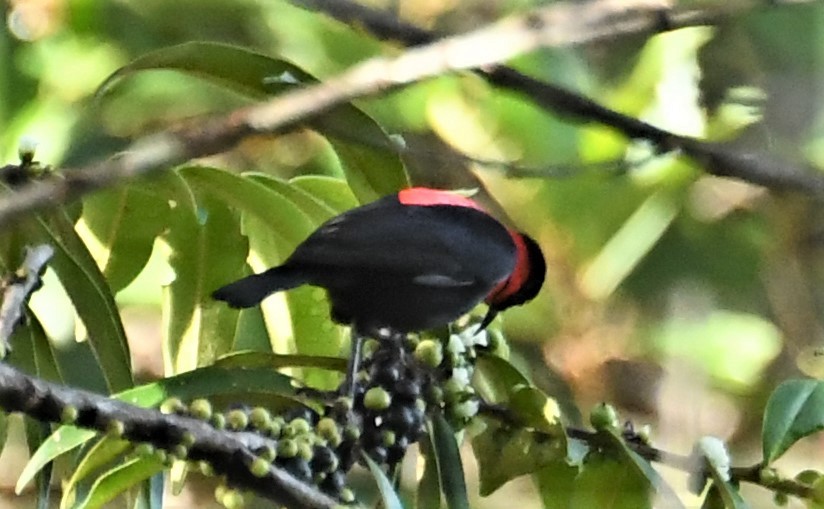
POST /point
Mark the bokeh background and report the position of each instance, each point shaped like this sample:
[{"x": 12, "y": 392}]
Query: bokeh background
[{"x": 681, "y": 298}]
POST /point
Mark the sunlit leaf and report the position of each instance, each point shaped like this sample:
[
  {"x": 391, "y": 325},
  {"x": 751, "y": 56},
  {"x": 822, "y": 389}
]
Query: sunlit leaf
[
  {"x": 203, "y": 258},
  {"x": 91, "y": 297},
  {"x": 123, "y": 222},
  {"x": 795, "y": 410},
  {"x": 371, "y": 172},
  {"x": 496, "y": 378},
  {"x": 119, "y": 479},
  {"x": 104, "y": 452},
  {"x": 334, "y": 192}
]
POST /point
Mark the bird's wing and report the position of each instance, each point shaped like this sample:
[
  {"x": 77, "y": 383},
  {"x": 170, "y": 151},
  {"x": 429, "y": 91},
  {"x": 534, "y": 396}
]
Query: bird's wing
[{"x": 436, "y": 245}]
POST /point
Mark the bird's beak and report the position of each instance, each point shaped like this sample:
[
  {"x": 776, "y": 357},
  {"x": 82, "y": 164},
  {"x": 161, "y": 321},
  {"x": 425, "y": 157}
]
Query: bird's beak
[{"x": 490, "y": 315}]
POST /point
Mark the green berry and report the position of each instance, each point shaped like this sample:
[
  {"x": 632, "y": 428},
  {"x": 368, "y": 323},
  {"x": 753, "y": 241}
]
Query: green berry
[
  {"x": 188, "y": 439},
  {"x": 233, "y": 499},
  {"x": 115, "y": 428},
  {"x": 237, "y": 419},
  {"x": 305, "y": 450},
  {"x": 144, "y": 449},
  {"x": 259, "y": 467},
  {"x": 604, "y": 417},
  {"x": 218, "y": 421},
  {"x": 388, "y": 438},
  {"x": 205, "y": 468},
  {"x": 260, "y": 418},
  {"x": 68, "y": 415},
  {"x": 429, "y": 352},
  {"x": 347, "y": 495},
  {"x": 172, "y": 406},
  {"x": 300, "y": 426},
  {"x": 377, "y": 398},
  {"x": 180, "y": 451},
  {"x": 287, "y": 448},
  {"x": 201, "y": 409},
  {"x": 328, "y": 429}
]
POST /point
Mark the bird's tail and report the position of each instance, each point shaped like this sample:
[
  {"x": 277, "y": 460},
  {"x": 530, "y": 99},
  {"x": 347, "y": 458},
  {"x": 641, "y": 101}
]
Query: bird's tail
[{"x": 249, "y": 291}]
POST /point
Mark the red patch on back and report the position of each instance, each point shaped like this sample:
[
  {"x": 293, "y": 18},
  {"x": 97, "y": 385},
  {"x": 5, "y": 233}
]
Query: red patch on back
[{"x": 427, "y": 197}]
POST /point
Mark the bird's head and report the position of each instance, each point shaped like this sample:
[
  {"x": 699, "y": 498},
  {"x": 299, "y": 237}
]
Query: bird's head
[{"x": 523, "y": 283}]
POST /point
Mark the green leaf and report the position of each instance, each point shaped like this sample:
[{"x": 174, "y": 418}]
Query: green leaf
[
  {"x": 104, "y": 452},
  {"x": 64, "y": 439},
  {"x": 795, "y": 410},
  {"x": 389, "y": 497},
  {"x": 124, "y": 223},
  {"x": 91, "y": 297},
  {"x": 245, "y": 194},
  {"x": 119, "y": 479},
  {"x": 245, "y": 71},
  {"x": 448, "y": 458},
  {"x": 46, "y": 364},
  {"x": 334, "y": 192},
  {"x": 315, "y": 209},
  {"x": 556, "y": 484},
  {"x": 620, "y": 451},
  {"x": 258, "y": 360},
  {"x": 495, "y": 379},
  {"x": 275, "y": 224},
  {"x": 538, "y": 411},
  {"x": 204, "y": 257},
  {"x": 429, "y": 486},
  {"x": 505, "y": 453},
  {"x": 371, "y": 172},
  {"x": 607, "y": 482},
  {"x": 498, "y": 381},
  {"x": 728, "y": 493}
]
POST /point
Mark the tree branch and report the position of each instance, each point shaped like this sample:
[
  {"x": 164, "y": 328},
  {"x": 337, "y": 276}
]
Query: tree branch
[
  {"x": 18, "y": 288},
  {"x": 558, "y": 25},
  {"x": 639, "y": 17},
  {"x": 230, "y": 453}
]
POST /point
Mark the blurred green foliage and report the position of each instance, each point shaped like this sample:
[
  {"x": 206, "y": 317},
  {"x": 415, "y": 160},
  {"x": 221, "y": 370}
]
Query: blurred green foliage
[{"x": 651, "y": 261}]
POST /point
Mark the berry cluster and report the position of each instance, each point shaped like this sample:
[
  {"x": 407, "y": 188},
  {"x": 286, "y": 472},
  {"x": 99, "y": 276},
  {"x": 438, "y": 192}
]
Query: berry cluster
[{"x": 401, "y": 380}]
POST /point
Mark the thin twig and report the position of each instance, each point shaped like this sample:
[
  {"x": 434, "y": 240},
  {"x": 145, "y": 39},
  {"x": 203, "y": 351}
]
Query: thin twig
[{"x": 18, "y": 288}]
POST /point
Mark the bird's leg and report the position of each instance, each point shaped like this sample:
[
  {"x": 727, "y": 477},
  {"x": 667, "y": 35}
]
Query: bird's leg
[{"x": 354, "y": 362}]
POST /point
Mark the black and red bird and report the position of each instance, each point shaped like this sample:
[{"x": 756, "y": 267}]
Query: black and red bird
[{"x": 411, "y": 261}]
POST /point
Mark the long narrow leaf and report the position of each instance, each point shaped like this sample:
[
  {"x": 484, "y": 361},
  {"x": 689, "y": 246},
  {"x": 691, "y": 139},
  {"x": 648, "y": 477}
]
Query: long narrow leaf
[
  {"x": 389, "y": 496},
  {"x": 92, "y": 299},
  {"x": 450, "y": 467}
]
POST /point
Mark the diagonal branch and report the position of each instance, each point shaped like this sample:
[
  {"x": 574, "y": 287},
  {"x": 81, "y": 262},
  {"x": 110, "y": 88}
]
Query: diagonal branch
[
  {"x": 231, "y": 454},
  {"x": 559, "y": 24},
  {"x": 648, "y": 17}
]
